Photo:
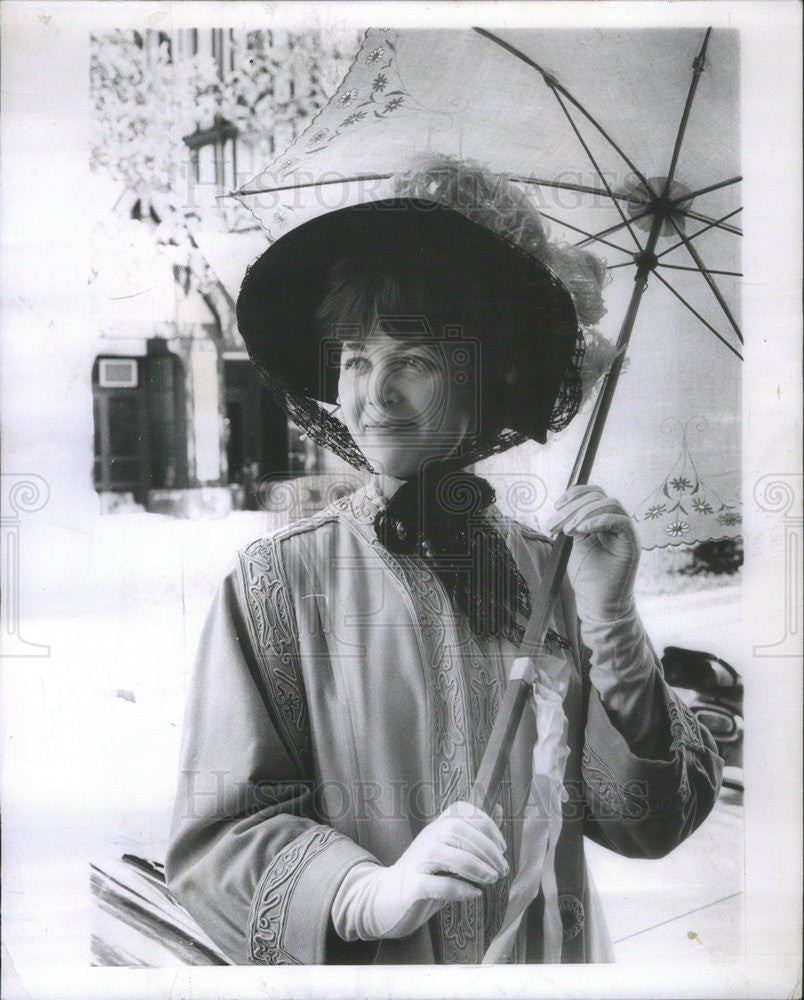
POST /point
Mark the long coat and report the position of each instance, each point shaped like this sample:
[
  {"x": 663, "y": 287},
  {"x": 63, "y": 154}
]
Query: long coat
[{"x": 340, "y": 702}]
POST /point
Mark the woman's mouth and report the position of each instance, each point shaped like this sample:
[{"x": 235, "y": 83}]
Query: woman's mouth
[{"x": 389, "y": 426}]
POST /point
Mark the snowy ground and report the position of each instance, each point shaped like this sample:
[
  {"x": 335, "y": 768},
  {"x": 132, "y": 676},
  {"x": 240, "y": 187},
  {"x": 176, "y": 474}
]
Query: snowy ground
[{"x": 92, "y": 734}]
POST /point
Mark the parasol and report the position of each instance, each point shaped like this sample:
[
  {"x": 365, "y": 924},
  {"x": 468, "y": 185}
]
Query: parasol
[{"x": 627, "y": 142}]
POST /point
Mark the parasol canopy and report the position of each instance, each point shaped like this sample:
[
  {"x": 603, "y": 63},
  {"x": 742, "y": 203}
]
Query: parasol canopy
[{"x": 627, "y": 143}]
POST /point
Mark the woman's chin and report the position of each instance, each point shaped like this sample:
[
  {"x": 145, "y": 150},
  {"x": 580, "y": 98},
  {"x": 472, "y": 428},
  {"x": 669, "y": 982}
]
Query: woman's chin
[
  {"x": 393, "y": 468},
  {"x": 401, "y": 466}
]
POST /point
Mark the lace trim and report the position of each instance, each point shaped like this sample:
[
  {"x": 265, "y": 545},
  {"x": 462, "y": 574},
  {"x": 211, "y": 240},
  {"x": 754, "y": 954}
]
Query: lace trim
[{"x": 268, "y": 917}]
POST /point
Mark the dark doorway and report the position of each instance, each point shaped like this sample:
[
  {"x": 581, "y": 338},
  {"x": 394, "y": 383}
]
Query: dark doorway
[
  {"x": 140, "y": 423},
  {"x": 235, "y": 457},
  {"x": 167, "y": 416},
  {"x": 121, "y": 428},
  {"x": 257, "y": 430}
]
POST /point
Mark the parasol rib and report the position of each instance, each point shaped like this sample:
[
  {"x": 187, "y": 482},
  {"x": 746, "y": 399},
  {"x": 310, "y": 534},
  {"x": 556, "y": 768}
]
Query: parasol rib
[
  {"x": 707, "y": 189},
  {"x": 695, "y": 313},
  {"x": 704, "y": 229},
  {"x": 598, "y": 237},
  {"x": 709, "y": 270},
  {"x": 708, "y": 279},
  {"x": 555, "y": 86},
  {"x": 714, "y": 222},
  {"x": 698, "y": 65},
  {"x": 565, "y": 185},
  {"x": 242, "y": 193},
  {"x": 589, "y": 236},
  {"x": 680, "y": 267},
  {"x": 600, "y": 174}
]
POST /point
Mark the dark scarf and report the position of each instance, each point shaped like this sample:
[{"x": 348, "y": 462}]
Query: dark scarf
[{"x": 440, "y": 515}]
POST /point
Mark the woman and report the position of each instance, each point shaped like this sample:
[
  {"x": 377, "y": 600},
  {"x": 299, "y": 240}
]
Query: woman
[{"x": 353, "y": 663}]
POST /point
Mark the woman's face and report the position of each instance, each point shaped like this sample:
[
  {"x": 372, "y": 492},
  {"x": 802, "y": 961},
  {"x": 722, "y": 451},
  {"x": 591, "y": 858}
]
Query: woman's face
[{"x": 406, "y": 402}]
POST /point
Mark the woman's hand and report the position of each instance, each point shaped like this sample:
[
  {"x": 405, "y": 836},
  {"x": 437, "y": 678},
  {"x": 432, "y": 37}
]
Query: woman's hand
[
  {"x": 605, "y": 552},
  {"x": 450, "y": 859}
]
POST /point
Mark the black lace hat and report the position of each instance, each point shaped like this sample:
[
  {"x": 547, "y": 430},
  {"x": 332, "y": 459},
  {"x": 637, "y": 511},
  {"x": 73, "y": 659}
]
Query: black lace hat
[{"x": 511, "y": 309}]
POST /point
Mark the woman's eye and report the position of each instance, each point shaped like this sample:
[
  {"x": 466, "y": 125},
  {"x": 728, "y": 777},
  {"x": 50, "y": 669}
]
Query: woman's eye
[
  {"x": 414, "y": 362},
  {"x": 355, "y": 363}
]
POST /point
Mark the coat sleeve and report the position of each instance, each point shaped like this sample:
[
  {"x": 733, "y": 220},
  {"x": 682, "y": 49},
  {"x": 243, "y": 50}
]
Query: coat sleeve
[
  {"x": 247, "y": 856},
  {"x": 651, "y": 772}
]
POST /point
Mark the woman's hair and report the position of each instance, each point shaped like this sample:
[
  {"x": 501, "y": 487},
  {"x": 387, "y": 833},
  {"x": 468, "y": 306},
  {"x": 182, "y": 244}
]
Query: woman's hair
[{"x": 360, "y": 292}]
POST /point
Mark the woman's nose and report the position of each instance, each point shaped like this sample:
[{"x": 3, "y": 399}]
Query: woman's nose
[{"x": 383, "y": 385}]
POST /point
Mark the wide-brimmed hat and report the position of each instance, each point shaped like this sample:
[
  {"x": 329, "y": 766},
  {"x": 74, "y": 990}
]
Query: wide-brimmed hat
[{"x": 509, "y": 306}]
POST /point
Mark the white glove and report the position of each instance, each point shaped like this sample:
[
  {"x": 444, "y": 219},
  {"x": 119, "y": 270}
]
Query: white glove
[
  {"x": 605, "y": 553},
  {"x": 376, "y": 902},
  {"x": 602, "y": 568}
]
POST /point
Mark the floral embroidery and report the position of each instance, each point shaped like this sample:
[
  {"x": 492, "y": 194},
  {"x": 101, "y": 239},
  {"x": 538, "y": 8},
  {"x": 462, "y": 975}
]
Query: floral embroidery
[
  {"x": 351, "y": 119},
  {"x": 729, "y": 518},
  {"x": 375, "y": 84},
  {"x": 280, "y": 218},
  {"x": 680, "y": 484},
  {"x": 683, "y": 501},
  {"x": 346, "y": 99},
  {"x": 677, "y": 528},
  {"x": 287, "y": 165}
]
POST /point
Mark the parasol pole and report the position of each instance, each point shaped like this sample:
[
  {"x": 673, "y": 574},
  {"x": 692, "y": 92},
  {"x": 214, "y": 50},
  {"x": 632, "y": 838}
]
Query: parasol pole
[{"x": 518, "y": 689}]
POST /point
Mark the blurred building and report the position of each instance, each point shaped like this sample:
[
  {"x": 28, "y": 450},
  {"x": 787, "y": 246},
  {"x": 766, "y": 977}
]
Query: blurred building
[{"x": 182, "y": 422}]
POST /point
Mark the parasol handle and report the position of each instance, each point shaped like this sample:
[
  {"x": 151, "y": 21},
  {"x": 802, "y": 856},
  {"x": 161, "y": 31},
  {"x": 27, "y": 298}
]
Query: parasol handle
[{"x": 517, "y": 692}]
